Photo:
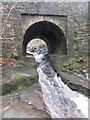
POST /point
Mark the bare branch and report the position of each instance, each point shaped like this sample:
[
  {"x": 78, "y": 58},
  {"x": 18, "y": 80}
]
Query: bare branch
[{"x": 13, "y": 6}]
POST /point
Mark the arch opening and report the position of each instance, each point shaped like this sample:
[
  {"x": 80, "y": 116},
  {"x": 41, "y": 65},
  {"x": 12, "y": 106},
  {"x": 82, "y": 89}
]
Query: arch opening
[
  {"x": 50, "y": 33},
  {"x": 37, "y": 45}
]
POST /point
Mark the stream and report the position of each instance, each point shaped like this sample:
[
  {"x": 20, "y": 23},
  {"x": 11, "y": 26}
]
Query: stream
[{"x": 60, "y": 100}]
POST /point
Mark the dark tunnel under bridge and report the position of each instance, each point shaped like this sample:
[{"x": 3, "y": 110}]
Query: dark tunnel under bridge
[{"x": 48, "y": 32}]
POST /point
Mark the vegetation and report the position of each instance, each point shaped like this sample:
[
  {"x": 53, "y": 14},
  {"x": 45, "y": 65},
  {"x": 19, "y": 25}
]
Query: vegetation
[
  {"x": 19, "y": 83},
  {"x": 24, "y": 63},
  {"x": 76, "y": 64},
  {"x": 21, "y": 63},
  {"x": 76, "y": 32},
  {"x": 77, "y": 36}
]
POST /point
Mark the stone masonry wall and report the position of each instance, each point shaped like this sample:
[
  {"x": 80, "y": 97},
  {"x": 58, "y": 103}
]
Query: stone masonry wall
[{"x": 12, "y": 25}]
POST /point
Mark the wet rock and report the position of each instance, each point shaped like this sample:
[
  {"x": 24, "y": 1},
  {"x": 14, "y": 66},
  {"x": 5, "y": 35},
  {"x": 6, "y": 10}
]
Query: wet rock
[{"x": 29, "y": 102}]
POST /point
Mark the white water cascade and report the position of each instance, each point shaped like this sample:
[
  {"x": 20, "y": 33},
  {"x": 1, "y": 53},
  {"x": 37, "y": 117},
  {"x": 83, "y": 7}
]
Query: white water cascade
[{"x": 60, "y": 100}]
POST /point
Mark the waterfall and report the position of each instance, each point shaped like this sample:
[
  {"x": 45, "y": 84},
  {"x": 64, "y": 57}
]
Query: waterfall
[{"x": 60, "y": 100}]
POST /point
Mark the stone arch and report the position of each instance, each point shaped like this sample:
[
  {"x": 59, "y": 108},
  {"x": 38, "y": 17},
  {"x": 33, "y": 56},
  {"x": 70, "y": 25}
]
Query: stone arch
[{"x": 50, "y": 33}]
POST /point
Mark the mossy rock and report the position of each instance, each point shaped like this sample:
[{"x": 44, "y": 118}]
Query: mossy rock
[
  {"x": 24, "y": 63},
  {"x": 19, "y": 83},
  {"x": 71, "y": 64},
  {"x": 7, "y": 88},
  {"x": 24, "y": 81}
]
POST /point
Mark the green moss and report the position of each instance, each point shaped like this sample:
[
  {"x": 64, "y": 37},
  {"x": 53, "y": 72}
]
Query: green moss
[
  {"x": 7, "y": 88},
  {"x": 71, "y": 64},
  {"x": 21, "y": 88},
  {"x": 19, "y": 83},
  {"x": 24, "y": 64},
  {"x": 89, "y": 75},
  {"x": 21, "y": 63},
  {"x": 23, "y": 80},
  {"x": 76, "y": 32}
]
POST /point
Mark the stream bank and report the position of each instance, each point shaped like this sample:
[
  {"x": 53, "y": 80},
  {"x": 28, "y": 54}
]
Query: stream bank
[
  {"x": 29, "y": 104},
  {"x": 27, "y": 69}
]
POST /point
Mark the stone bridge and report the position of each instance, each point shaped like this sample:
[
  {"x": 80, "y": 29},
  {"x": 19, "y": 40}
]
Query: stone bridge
[
  {"x": 61, "y": 25},
  {"x": 50, "y": 33}
]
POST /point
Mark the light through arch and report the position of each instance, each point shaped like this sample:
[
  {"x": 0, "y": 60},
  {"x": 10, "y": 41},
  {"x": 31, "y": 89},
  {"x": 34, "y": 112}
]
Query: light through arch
[{"x": 36, "y": 44}]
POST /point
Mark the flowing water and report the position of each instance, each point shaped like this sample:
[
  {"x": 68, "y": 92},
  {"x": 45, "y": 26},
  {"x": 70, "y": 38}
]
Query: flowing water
[{"x": 60, "y": 100}]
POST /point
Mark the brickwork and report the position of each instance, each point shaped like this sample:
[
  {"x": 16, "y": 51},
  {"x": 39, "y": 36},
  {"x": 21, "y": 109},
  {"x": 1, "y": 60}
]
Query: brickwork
[{"x": 71, "y": 18}]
